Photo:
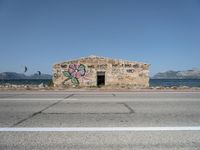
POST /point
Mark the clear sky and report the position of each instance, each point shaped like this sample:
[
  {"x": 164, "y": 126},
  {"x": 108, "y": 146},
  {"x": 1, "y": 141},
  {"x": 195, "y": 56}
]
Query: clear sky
[{"x": 39, "y": 33}]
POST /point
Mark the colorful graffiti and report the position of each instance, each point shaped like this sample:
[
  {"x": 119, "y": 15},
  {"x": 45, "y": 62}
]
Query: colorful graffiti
[{"x": 75, "y": 71}]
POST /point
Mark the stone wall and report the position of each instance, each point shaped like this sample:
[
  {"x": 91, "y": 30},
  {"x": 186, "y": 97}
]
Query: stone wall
[{"x": 83, "y": 72}]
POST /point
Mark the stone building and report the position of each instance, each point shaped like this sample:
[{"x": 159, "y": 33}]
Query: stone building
[{"x": 100, "y": 71}]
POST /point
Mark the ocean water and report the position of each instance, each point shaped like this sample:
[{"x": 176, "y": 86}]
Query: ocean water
[
  {"x": 152, "y": 82},
  {"x": 175, "y": 82},
  {"x": 25, "y": 81}
]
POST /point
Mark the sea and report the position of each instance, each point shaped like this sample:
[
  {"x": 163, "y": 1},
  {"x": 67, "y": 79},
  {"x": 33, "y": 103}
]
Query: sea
[
  {"x": 174, "y": 82},
  {"x": 152, "y": 82},
  {"x": 26, "y": 81}
]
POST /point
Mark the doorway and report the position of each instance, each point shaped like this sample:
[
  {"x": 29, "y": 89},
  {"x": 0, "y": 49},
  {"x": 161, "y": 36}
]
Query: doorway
[{"x": 100, "y": 78}]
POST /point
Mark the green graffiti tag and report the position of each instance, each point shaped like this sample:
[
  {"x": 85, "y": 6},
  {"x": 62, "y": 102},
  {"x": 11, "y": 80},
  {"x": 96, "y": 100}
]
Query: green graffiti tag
[{"x": 75, "y": 71}]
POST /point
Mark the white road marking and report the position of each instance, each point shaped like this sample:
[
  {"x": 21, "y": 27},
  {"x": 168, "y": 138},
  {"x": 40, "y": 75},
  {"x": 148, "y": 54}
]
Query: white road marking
[
  {"x": 36, "y": 99},
  {"x": 99, "y": 129},
  {"x": 30, "y": 99},
  {"x": 72, "y": 99}
]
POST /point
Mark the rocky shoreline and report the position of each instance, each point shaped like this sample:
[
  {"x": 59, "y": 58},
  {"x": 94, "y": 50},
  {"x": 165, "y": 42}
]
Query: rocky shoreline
[
  {"x": 24, "y": 86},
  {"x": 50, "y": 87}
]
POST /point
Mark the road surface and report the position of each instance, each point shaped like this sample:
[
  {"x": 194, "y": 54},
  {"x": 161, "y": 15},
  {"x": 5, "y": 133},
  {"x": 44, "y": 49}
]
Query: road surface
[{"x": 99, "y": 120}]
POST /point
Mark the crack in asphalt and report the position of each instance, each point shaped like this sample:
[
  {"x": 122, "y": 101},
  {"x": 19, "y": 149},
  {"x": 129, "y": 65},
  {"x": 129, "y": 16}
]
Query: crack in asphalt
[
  {"x": 131, "y": 111},
  {"x": 126, "y": 113},
  {"x": 69, "y": 96},
  {"x": 39, "y": 112},
  {"x": 113, "y": 95}
]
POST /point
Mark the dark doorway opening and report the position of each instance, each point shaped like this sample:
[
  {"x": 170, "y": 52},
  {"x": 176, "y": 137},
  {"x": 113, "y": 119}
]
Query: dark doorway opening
[{"x": 100, "y": 78}]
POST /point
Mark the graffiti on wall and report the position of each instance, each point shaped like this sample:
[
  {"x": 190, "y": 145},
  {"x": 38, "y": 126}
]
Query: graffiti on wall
[{"x": 75, "y": 71}]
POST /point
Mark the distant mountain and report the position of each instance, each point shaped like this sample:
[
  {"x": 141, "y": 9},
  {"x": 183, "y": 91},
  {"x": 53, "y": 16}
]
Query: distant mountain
[
  {"x": 14, "y": 75},
  {"x": 187, "y": 74}
]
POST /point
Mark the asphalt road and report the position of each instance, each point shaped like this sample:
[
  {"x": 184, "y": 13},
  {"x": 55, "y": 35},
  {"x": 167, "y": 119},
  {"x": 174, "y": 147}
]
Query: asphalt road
[{"x": 94, "y": 111}]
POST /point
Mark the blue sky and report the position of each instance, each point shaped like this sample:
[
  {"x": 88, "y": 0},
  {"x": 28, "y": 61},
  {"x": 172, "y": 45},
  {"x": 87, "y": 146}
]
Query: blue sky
[{"x": 39, "y": 33}]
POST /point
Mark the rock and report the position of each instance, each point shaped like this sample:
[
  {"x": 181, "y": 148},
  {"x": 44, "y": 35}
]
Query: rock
[
  {"x": 184, "y": 87},
  {"x": 27, "y": 87},
  {"x": 41, "y": 85},
  {"x": 157, "y": 87},
  {"x": 14, "y": 86},
  {"x": 174, "y": 87}
]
